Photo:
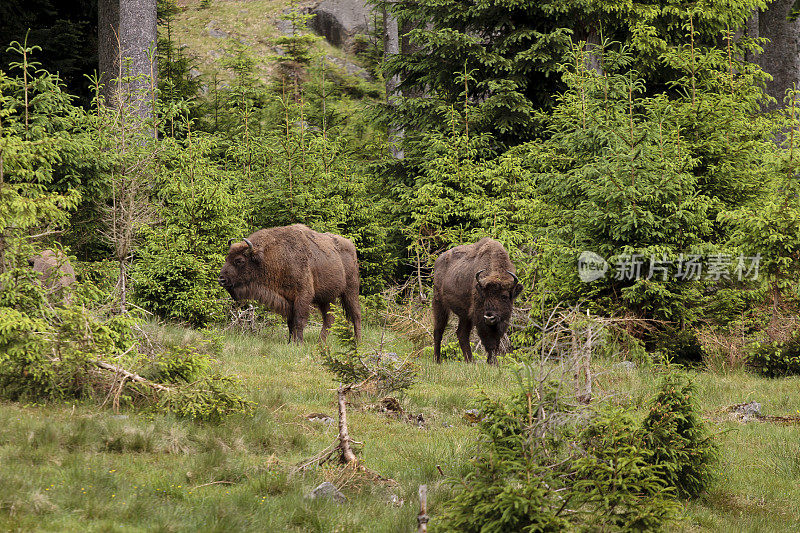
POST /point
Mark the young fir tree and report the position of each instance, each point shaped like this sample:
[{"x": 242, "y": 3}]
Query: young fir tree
[
  {"x": 641, "y": 179},
  {"x": 515, "y": 48}
]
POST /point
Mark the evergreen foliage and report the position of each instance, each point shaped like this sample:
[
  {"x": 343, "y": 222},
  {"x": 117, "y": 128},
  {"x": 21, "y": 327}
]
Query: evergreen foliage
[
  {"x": 775, "y": 359},
  {"x": 681, "y": 447},
  {"x": 382, "y": 373},
  {"x": 512, "y": 52},
  {"x": 598, "y": 477}
]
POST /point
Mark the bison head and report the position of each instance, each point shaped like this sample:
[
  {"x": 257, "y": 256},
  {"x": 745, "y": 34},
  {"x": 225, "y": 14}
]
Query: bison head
[
  {"x": 240, "y": 267},
  {"x": 494, "y": 300}
]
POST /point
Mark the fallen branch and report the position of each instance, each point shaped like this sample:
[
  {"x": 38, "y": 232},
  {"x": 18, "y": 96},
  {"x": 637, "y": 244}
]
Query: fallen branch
[{"x": 131, "y": 376}]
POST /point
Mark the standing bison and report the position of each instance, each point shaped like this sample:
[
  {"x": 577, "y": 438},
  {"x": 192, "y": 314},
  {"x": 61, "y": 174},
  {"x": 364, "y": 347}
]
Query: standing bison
[
  {"x": 290, "y": 268},
  {"x": 478, "y": 284}
]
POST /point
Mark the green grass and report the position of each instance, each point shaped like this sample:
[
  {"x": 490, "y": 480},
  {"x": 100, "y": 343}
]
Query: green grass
[{"x": 83, "y": 468}]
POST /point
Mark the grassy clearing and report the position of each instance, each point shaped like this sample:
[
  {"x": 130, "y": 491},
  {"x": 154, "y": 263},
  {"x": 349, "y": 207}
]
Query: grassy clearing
[{"x": 69, "y": 468}]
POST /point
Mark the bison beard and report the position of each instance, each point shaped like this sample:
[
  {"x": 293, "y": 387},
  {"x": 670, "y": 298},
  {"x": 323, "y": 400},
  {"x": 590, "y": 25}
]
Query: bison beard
[
  {"x": 290, "y": 268},
  {"x": 478, "y": 284}
]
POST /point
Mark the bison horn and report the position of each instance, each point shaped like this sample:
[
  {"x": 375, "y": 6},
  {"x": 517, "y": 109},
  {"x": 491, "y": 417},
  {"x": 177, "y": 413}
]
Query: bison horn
[
  {"x": 249, "y": 244},
  {"x": 230, "y": 241},
  {"x": 516, "y": 279},
  {"x": 478, "y": 274}
]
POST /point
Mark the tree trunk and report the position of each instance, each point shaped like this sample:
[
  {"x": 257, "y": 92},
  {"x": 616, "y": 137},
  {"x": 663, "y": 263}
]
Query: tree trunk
[
  {"x": 780, "y": 58},
  {"x": 391, "y": 46},
  {"x": 127, "y": 30}
]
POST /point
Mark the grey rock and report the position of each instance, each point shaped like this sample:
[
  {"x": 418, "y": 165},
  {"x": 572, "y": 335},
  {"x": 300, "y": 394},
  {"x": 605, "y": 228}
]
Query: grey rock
[
  {"x": 284, "y": 26},
  {"x": 194, "y": 73},
  {"x": 326, "y": 491},
  {"x": 630, "y": 366},
  {"x": 214, "y": 32},
  {"x": 746, "y": 412},
  {"x": 350, "y": 67},
  {"x": 339, "y": 21},
  {"x": 320, "y": 418}
]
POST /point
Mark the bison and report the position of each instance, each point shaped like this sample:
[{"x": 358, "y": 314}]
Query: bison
[
  {"x": 290, "y": 268},
  {"x": 55, "y": 271},
  {"x": 476, "y": 282}
]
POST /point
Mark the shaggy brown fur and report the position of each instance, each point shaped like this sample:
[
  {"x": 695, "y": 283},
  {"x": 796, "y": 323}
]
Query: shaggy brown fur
[
  {"x": 484, "y": 303},
  {"x": 290, "y": 268},
  {"x": 55, "y": 271}
]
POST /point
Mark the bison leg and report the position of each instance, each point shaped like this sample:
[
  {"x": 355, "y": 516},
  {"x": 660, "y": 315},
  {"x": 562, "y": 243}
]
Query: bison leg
[
  {"x": 352, "y": 310},
  {"x": 299, "y": 318},
  {"x": 440, "y": 317},
  {"x": 464, "y": 328},
  {"x": 290, "y": 323},
  {"x": 327, "y": 320}
]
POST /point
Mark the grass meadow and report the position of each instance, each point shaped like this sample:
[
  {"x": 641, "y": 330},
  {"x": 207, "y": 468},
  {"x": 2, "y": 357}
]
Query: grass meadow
[{"x": 80, "y": 467}]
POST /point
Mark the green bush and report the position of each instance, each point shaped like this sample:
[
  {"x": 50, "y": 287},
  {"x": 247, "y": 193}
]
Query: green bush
[
  {"x": 776, "y": 358},
  {"x": 602, "y": 480},
  {"x": 680, "y": 345},
  {"x": 178, "y": 285},
  {"x": 52, "y": 358},
  {"x": 681, "y": 448},
  {"x": 177, "y": 265}
]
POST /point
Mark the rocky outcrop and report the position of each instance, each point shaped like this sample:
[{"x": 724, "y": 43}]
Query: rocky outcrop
[{"x": 339, "y": 21}]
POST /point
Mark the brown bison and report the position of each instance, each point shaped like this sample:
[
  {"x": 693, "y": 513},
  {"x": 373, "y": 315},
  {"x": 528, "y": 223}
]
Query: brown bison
[
  {"x": 55, "y": 271},
  {"x": 290, "y": 268},
  {"x": 478, "y": 284}
]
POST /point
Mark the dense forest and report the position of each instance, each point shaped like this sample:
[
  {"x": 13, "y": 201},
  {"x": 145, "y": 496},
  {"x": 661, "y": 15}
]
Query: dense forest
[{"x": 634, "y": 159}]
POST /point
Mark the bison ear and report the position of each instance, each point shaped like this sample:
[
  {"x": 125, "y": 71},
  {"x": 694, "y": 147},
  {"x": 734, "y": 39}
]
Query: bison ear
[{"x": 516, "y": 290}]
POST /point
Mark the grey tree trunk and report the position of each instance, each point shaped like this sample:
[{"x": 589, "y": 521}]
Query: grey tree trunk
[
  {"x": 594, "y": 52},
  {"x": 127, "y": 31},
  {"x": 391, "y": 46},
  {"x": 781, "y": 57}
]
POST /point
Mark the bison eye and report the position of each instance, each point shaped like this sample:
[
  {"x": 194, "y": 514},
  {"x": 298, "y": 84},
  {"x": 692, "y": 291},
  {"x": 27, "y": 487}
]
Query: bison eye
[{"x": 239, "y": 261}]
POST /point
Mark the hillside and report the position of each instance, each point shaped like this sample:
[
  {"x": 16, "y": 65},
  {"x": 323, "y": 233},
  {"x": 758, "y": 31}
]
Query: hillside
[{"x": 206, "y": 32}]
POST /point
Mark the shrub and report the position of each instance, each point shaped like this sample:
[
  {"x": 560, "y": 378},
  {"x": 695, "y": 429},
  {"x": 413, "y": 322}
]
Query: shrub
[
  {"x": 679, "y": 345},
  {"x": 776, "y": 358},
  {"x": 521, "y": 482},
  {"x": 176, "y": 268},
  {"x": 680, "y": 446}
]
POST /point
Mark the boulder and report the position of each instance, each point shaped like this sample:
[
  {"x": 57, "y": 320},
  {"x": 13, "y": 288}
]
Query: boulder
[
  {"x": 55, "y": 272},
  {"x": 339, "y": 21},
  {"x": 326, "y": 491}
]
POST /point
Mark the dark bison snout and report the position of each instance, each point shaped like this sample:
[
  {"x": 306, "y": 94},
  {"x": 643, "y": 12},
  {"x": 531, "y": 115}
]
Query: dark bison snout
[{"x": 490, "y": 318}]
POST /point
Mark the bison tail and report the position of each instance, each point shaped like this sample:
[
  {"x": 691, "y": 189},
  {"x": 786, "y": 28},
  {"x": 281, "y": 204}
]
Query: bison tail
[{"x": 352, "y": 310}]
